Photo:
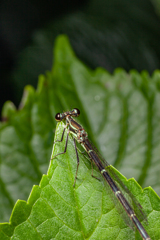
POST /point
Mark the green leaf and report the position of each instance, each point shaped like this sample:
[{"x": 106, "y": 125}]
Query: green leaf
[
  {"x": 57, "y": 210},
  {"x": 121, "y": 114}
]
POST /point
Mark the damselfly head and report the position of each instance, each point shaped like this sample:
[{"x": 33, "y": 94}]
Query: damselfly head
[
  {"x": 75, "y": 112},
  {"x": 58, "y": 117}
]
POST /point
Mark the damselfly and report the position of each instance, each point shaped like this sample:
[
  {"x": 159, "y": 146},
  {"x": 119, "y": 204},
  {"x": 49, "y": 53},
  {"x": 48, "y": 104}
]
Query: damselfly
[{"x": 81, "y": 136}]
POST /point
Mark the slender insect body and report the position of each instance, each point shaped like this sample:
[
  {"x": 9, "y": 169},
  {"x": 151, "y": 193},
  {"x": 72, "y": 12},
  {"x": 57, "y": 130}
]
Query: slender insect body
[
  {"x": 81, "y": 136},
  {"x": 76, "y": 130}
]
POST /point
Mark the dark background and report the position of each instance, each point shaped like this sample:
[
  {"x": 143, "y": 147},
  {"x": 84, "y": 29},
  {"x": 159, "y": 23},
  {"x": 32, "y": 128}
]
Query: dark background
[{"x": 106, "y": 33}]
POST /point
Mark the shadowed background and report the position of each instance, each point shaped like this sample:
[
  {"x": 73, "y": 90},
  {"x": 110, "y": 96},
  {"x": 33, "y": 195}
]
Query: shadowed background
[{"x": 108, "y": 33}]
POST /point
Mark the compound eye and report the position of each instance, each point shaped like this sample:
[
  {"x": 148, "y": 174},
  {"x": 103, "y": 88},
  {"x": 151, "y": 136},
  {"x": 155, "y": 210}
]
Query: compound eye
[
  {"x": 77, "y": 111},
  {"x": 58, "y": 117}
]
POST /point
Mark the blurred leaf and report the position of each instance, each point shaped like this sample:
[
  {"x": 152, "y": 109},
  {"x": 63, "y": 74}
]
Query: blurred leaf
[
  {"x": 156, "y": 3},
  {"x": 121, "y": 114}
]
